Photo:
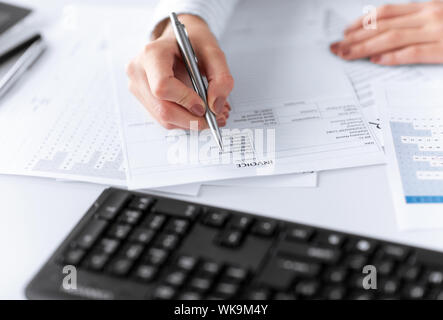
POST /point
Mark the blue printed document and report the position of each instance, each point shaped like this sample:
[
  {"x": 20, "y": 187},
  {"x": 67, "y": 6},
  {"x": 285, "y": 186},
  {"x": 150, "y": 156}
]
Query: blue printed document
[{"x": 413, "y": 117}]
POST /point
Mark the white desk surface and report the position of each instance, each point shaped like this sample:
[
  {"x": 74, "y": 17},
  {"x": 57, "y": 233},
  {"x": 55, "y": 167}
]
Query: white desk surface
[{"x": 36, "y": 214}]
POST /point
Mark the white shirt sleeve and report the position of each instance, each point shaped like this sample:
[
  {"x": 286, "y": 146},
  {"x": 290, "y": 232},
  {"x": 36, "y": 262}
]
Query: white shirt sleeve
[{"x": 215, "y": 12}]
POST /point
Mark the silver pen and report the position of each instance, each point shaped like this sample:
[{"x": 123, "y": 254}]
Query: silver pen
[
  {"x": 191, "y": 63},
  {"x": 21, "y": 65}
]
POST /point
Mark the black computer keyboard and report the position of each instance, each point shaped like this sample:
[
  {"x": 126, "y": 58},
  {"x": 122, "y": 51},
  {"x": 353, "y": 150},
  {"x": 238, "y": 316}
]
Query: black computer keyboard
[{"x": 138, "y": 246}]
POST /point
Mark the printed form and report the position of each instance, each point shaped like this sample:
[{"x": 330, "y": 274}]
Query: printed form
[
  {"x": 59, "y": 121},
  {"x": 288, "y": 116},
  {"x": 413, "y": 118}
]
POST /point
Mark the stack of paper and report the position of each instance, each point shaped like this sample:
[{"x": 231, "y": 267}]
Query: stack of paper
[{"x": 296, "y": 108}]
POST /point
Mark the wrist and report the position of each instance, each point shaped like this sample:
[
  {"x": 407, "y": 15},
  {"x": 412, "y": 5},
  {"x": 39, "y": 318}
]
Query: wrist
[{"x": 164, "y": 28}]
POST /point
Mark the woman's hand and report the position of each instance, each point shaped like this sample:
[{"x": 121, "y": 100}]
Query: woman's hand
[
  {"x": 405, "y": 34},
  {"x": 159, "y": 80}
]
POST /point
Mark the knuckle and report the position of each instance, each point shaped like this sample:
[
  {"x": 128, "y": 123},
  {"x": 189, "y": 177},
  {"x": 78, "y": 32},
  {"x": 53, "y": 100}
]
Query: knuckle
[
  {"x": 132, "y": 87},
  {"x": 385, "y": 9},
  {"x": 228, "y": 81},
  {"x": 160, "y": 88},
  {"x": 414, "y": 52},
  {"x": 131, "y": 68},
  {"x": 394, "y": 35},
  {"x": 148, "y": 48},
  {"x": 214, "y": 52},
  {"x": 163, "y": 113},
  {"x": 184, "y": 97}
]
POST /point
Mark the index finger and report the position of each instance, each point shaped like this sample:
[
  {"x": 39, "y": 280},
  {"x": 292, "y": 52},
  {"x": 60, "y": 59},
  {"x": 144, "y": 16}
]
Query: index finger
[
  {"x": 159, "y": 68},
  {"x": 220, "y": 80}
]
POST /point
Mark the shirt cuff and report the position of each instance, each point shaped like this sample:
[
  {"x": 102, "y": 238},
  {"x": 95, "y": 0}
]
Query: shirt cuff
[{"x": 216, "y": 13}]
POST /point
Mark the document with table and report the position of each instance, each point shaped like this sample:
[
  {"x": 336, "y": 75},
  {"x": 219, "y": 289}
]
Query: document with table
[{"x": 412, "y": 116}]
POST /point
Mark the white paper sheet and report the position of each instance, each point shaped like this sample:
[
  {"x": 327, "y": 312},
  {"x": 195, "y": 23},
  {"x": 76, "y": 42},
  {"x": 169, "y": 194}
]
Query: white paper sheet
[
  {"x": 288, "y": 95},
  {"x": 413, "y": 117},
  {"x": 299, "y": 180},
  {"x": 60, "y": 121}
]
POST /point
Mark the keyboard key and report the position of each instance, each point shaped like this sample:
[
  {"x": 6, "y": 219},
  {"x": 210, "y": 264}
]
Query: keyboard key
[
  {"x": 331, "y": 239},
  {"x": 97, "y": 261},
  {"x": 236, "y": 274},
  {"x": 299, "y": 234},
  {"x": 141, "y": 203},
  {"x": 178, "y": 226},
  {"x": 414, "y": 291},
  {"x": 146, "y": 272},
  {"x": 130, "y": 216},
  {"x": 186, "y": 263},
  {"x": 120, "y": 266},
  {"x": 210, "y": 268},
  {"x": 167, "y": 241},
  {"x": 74, "y": 256},
  {"x": 176, "y": 208},
  {"x": 108, "y": 246},
  {"x": 258, "y": 294},
  {"x": 284, "y": 296},
  {"x": 241, "y": 222},
  {"x": 91, "y": 233},
  {"x": 356, "y": 262},
  {"x": 176, "y": 278},
  {"x": 200, "y": 284},
  {"x": 279, "y": 273},
  {"x": 156, "y": 256},
  {"x": 307, "y": 288},
  {"x": 384, "y": 267},
  {"x": 231, "y": 238},
  {"x": 336, "y": 275},
  {"x": 409, "y": 273},
  {"x": 226, "y": 289},
  {"x": 314, "y": 252},
  {"x": 133, "y": 251},
  {"x": 216, "y": 218},
  {"x": 113, "y": 203},
  {"x": 363, "y": 246},
  {"x": 389, "y": 286},
  {"x": 265, "y": 228},
  {"x": 119, "y": 231},
  {"x": 395, "y": 252},
  {"x": 356, "y": 281},
  {"x": 334, "y": 293},
  {"x": 142, "y": 235},
  {"x": 434, "y": 277},
  {"x": 155, "y": 221},
  {"x": 164, "y": 293},
  {"x": 190, "y": 295},
  {"x": 362, "y": 295}
]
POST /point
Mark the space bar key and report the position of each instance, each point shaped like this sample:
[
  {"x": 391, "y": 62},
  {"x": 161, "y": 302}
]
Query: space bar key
[{"x": 311, "y": 252}]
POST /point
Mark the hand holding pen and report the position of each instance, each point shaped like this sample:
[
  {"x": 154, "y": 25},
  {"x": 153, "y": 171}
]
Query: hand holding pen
[{"x": 159, "y": 79}]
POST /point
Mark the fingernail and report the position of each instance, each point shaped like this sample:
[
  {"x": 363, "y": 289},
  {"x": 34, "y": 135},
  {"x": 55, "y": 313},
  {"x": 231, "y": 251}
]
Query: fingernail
[
  {"x": 334, "y": 47},
  {"x": 221, "y": 122},
  {"x": 219, "y": 103},
  {"x": 345, "y": 51},
  {"x": 376, "y": 59},
  {"x": 198, "y": 110}
]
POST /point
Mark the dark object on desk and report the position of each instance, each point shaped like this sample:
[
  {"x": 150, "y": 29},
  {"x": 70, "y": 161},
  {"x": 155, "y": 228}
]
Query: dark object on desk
[
  {"x": 138, "y": 246},
  {"x": 11, "y": 15},
  {"x": 20, "y": 44}
]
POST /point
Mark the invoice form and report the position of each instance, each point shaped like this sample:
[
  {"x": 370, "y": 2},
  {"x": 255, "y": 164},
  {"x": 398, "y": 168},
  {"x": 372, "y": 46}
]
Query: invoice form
[{"x": 295, "y": 115}]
